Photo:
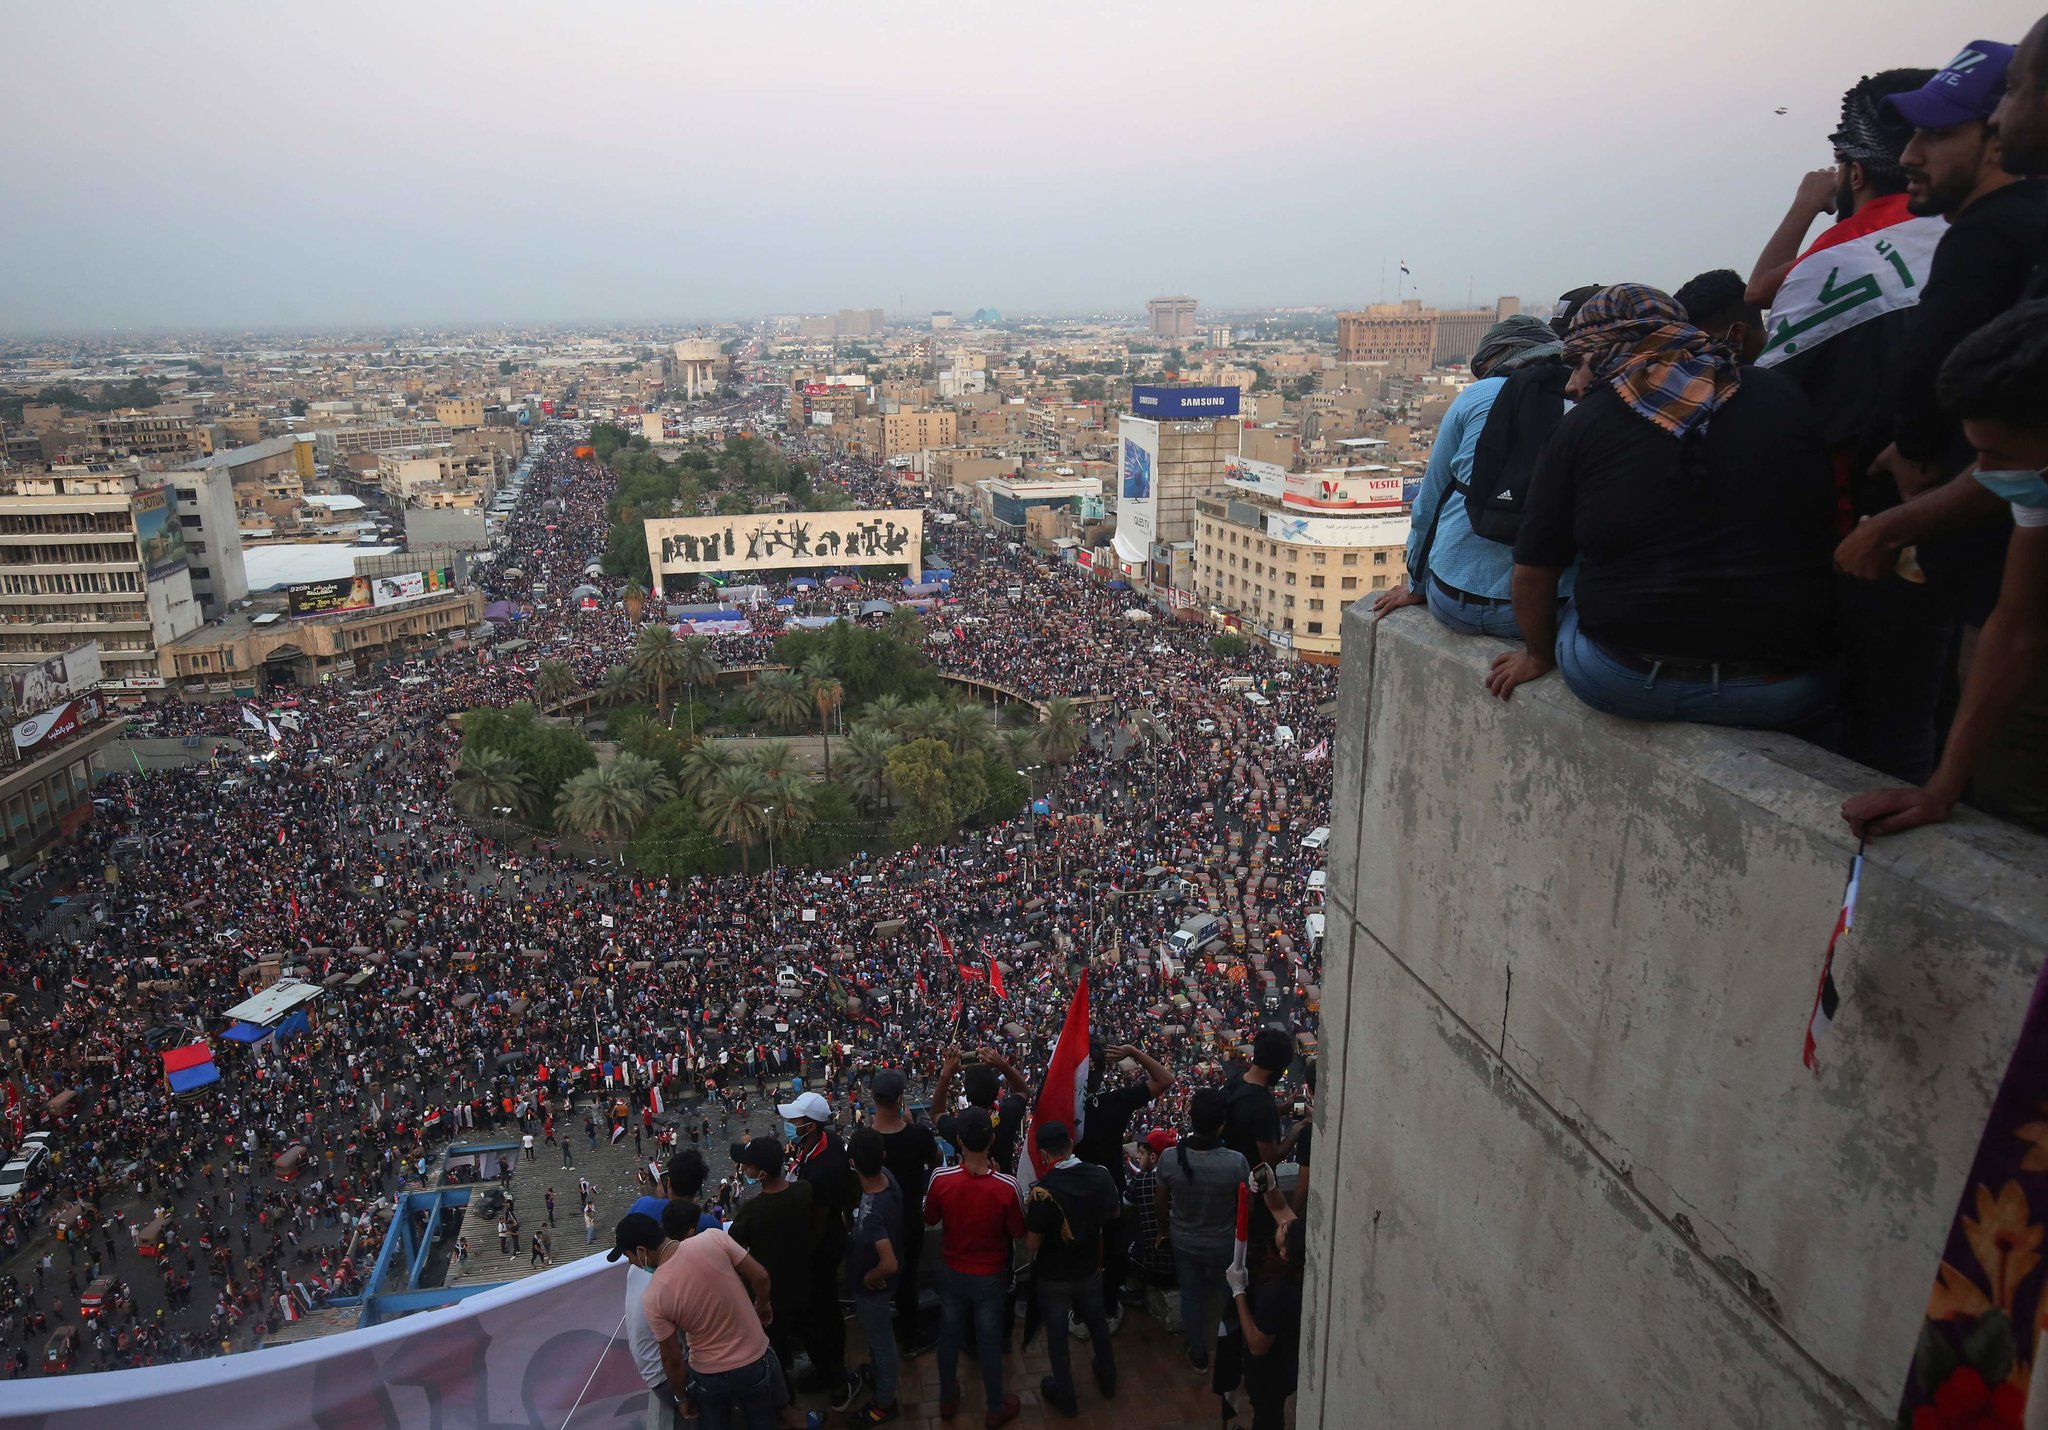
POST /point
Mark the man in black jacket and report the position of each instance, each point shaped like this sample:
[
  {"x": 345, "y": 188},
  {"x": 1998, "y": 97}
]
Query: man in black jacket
[
  {"x": 819, "y": 1158},
  {"x": 1064, "y": 1219}
]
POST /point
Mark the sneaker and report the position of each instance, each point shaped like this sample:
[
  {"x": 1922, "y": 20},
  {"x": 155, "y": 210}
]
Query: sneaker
[
  {"x": 1067, "y": 1405},
  {"x": 1116, "y": 1318},
  {"x": 1076, "y": 1327},
  {"x": 848, "y": 1392},
  {"x": 815, "y": 1420},
  {"x": 876, "y": 1415},
  {"x": 1010, "y": 1411}
]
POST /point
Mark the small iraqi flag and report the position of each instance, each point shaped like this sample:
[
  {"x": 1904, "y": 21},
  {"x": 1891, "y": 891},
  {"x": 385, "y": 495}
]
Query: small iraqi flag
[{"x": 1827, "y": 998}]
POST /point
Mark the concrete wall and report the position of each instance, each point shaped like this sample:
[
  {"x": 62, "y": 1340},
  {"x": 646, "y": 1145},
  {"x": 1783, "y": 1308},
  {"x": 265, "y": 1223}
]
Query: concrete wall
[{"x": 1571, "y": 1171}]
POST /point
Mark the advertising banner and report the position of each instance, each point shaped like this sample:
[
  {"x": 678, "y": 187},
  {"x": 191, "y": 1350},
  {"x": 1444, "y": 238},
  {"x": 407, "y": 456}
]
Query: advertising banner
[
  {"x": 324, "y": 598},
  {"x": 1345, "y": 489},
  {"x": 531, "y": 1355},
  {"x": 1137, "y": 511},
  {"x": 67, "y": 719},
  {"x": 769, "y": 541},
  {"x": 158, "y": 536},
  {"x": 1266, "y": 476},
  {"x": 38, "y": 687},
  {"x": 411, "y": 585},
  {"x": 1183, "y": 404}
]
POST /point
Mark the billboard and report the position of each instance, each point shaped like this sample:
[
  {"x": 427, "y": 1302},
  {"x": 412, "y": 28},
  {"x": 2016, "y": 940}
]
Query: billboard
[
  {"x": 1183, "y": 404},
  {"x": 324, "y": 598},
  {"x": 411, "y": 585},
  {"x": 67, "y": 719},
  {"x": 1345, "y": 489},
  {"x": 768, "y": 541},
  {"x": 38, "y": 687},
  {"x": 1137, "y": 510},
  {"x": 158, "y": 536}
]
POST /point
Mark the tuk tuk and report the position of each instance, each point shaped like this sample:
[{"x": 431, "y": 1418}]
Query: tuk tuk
[
  {"x": 290, "y": 1164},
  {"x": 98, "y": 1296},
  {"x": 149, "y": 1241},
  {"x": 61, "y": 1350},
  {"x": 64, "y": 1106}
]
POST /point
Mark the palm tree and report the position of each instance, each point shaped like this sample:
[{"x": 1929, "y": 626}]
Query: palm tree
[
  {"x": 826, "y": 693},
  {"x": 773, "y": 758},
  {"x": 966, "y": 728},
  {"x": 1060, "y": 731},
  {"x": 884, "y": 712},
  {"x": 1019, "y": 747},
  {"x": 906, "y": 626},
  {"x": 621, "y": 685},
  {"x": 657, "y": 656},
  {"x": 734, "y": 805},
  {"x": 489, "y": 782},
  {"x": 703, "y": 763},
  {"x": 781, "y": 698},
  {"x": 865, "y": 767},
  {"x": 602, "y": 803},
  {"x": 697, "y": 667},
  {"x": 924, "y": 720},
  {"x": 554, "y": 682},
  {"x": 791, "y": 796},
  {"x": 642, "y": 774}
]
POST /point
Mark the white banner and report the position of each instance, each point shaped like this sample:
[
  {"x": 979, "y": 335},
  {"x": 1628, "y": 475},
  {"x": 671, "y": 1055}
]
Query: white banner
[
  {"x": 516, "y": 1358},
  {"x": 1137, "y": 503},
  {"x": 38, "y": 687}
]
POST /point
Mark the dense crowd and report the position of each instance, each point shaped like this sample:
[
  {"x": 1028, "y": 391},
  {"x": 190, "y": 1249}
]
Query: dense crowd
[{"x": 521, "y": 988}]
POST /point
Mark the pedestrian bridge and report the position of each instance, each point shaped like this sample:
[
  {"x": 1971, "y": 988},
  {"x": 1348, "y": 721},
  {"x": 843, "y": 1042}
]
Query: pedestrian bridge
[{"x": 995, "y": 692}]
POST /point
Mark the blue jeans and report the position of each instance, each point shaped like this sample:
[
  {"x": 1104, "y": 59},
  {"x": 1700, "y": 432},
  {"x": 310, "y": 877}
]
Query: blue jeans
[
  {"x": 1084, "y": 1299},
  {"x": 1615, "y": 688},
  {"x": 982, "y": 1297},
  {"x": 752, "y": 1395},
  {"x": 1468, "y": 615},
  {"x": 1201, "y": 1288},
  {"x": 877, "y": 1312}
]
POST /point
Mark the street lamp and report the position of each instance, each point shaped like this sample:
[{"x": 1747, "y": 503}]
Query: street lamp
[{"x": 768, "y": 822}]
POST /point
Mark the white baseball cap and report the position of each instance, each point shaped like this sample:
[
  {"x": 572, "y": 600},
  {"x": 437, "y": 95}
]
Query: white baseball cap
[{"x": 810, "y": 1106}]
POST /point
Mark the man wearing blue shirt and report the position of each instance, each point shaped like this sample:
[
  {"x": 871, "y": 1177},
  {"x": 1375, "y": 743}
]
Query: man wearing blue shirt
[{"x": 1463, "y": 577}]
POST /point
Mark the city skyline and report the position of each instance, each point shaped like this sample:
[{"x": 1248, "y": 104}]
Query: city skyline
[{"x": 229, "y": 166}]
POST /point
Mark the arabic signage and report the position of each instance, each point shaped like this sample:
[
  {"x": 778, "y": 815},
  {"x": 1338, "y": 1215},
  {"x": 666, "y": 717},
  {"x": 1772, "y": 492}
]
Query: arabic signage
[
  {"x": 158, "y": 536},
  {"x": 771, "y": 541},
  {"x": 1183, "y": 404},
  {"x": 360, "y": 593},
  {"x": 67, "y": 719},
  {"x": 38, "y": 687}
]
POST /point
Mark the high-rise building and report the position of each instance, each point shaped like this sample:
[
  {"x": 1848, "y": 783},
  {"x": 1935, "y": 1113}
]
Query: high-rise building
[
  {"x": 213, "y": 536},
  {"x": 93, "y": 553},
  {"x": 1173, "y": 316},
  {"x": 860, "y": 322},
  {"x": 1171, "y": 448}
]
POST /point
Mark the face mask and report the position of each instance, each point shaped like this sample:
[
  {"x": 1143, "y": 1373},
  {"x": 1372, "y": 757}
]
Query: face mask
[{"x": 2021, "y": 488}]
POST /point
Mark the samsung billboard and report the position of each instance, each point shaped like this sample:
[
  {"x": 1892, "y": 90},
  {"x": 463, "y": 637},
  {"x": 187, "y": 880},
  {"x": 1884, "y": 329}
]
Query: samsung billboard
[{"x": 1183, "y": 404}]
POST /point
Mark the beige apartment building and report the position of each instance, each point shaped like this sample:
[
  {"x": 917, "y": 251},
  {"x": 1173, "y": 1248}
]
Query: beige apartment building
[
  {"x": 907, "y": 432},
  {"x": 1172, "y": 316},
  {"x": 1400, "y": 335},
  {"x": 331, "y": 443},
  {"x": 460, "y": 412},
  {"x": 441, "y": 475},
  {"x": 268, "y": 651},
  {"x": 1286, "y": 578},
  {"x": 93, "y": 553}
]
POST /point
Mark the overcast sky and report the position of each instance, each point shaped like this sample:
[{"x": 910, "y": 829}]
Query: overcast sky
[{"x": 229, "y": 163}]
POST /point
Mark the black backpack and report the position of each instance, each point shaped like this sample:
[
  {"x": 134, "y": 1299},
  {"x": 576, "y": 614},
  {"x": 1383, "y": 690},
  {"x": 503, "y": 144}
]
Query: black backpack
[{"x": 1525, "y": 412}]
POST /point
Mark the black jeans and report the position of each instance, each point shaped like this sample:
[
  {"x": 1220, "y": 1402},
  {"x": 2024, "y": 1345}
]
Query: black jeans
[{"x": 1084, "y": 1299}]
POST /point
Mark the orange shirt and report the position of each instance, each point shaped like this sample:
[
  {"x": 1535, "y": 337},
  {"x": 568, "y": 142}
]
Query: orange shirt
[{"x": 700, "y": 1292}]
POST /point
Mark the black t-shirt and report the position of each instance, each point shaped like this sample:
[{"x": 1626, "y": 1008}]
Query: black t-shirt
[
  {"x": 1068, "y": 1208},
  {"x": 1980, "y": 269},
  {"x": 1276, "y": 1310},
  {"x": 779, "y": 1229},
  {"x": 1719, "y": 548},
  {"x": 834, "y": 1188},
  {"x": 910, "y": 1153},
  {"x": 1252, "y": 1117},
  {"x": 1847, "y": 379},
  {"x": 1009, "y": 1115},
  {"x": 1108, "y": 1123}
]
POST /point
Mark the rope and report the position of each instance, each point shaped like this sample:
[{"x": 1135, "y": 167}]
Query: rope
[{"x": 599, "y": 1362}]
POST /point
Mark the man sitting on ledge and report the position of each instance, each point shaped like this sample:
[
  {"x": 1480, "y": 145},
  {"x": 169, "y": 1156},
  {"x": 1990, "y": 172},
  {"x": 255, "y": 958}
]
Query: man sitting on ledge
[{"x": 1695, "y": 496}]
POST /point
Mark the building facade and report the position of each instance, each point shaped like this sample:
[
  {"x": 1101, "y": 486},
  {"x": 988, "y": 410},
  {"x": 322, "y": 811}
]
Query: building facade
[
  {"x": 907, "y": 432},
  {"x": 213, "y": 538},
  {"x": 266, "y": 652},
  {"x": 1172, "y": 316},
  {"x": 1401, "y": 335}
]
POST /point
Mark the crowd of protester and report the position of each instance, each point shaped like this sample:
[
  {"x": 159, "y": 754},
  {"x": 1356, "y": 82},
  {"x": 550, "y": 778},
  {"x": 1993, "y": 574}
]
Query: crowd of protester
[{"x": 1825, "y": 521}]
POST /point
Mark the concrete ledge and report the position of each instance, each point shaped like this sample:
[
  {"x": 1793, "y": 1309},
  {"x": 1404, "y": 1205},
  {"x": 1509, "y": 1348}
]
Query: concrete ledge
[{"x": 1575, "y": 1173}]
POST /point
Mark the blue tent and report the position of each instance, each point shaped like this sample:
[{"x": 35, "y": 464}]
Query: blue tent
[
  {"x": 1119, "y": 585},
  {"x": 291, "y": 1027},
  {"x": 802, "y": 583},
  {"x": 785, "y": 604},
  {"x": 197, "y": 1076},
  {"x": 246, "y": 1033}
]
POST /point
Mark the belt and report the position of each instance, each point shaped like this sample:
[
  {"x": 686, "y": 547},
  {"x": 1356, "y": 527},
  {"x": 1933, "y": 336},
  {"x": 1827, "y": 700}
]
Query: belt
[
  {"x": 1456, "y": 595},
  {"x": 1709, "y": 671}
]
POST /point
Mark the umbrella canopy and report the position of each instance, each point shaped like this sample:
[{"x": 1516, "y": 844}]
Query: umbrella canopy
[
  {"x": 841, "y": 583},
  {"x": 802, "y": 583}
]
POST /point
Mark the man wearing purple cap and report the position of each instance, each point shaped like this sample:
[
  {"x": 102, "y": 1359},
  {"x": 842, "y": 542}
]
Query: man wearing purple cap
[{"x": 1982, "y": 264}]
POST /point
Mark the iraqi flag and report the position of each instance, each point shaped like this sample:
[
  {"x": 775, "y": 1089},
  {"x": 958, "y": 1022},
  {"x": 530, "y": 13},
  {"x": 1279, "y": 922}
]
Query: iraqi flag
[
  {"x": 654, "y": 1101},
  {"x": 1827, "y": 999},
  {"x": 995, "y": 978},
  {"x": 1872, "y": 263},
  {"x": 945, "y": 944},
  {"x": 1061, "y": 1096}
]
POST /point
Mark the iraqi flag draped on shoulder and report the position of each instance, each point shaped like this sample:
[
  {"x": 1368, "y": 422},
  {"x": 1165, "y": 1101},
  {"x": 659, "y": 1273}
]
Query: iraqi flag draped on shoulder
[
  {"x": 1061, "y": 1096},
  {"x": 1871, "y": 263}
]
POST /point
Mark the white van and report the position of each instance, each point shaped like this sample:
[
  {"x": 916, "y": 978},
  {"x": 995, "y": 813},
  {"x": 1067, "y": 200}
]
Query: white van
[
  {"x": 1313, "y": 926},
  {"x": 1252, "y": 697},
  {"x": 1318, "y": 885},
  {"x": 1316, "y": 838}
]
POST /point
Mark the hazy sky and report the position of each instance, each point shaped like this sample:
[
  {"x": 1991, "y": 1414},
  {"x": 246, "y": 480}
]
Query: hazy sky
[{"x": 274, "y": 163}]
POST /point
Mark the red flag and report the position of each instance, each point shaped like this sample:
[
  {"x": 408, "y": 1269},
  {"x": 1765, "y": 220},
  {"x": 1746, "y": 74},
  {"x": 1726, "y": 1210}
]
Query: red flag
[
  {"x": 1061, "y": 1095},
  {"x": 923, "y": 990},
  {"x": 995, "y": 977},
  {"x": 969, "y": 972},
  {"x": 945, "y": 944}
]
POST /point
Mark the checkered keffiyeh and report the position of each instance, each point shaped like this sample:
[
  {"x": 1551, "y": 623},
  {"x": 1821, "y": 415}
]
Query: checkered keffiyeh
[{"x": 1660, "y": 364}]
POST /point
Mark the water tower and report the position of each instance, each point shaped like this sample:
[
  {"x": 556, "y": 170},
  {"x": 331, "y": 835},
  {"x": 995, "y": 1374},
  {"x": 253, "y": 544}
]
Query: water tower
[{"x": 694, "y": 366}]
